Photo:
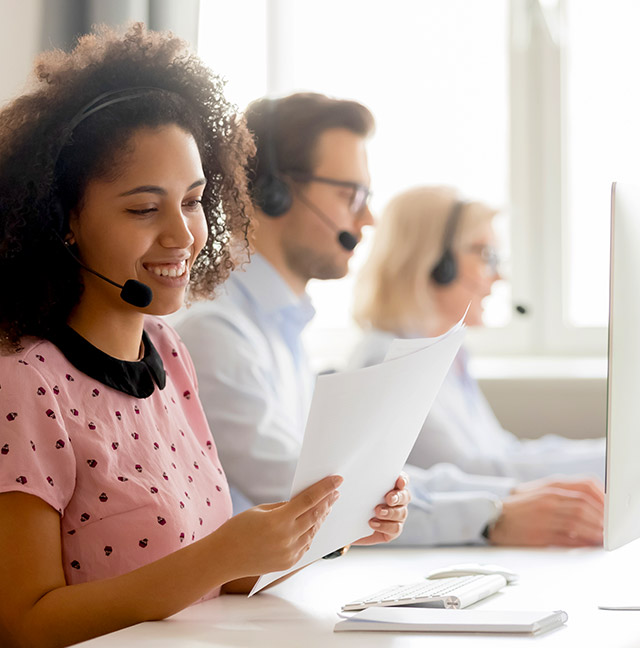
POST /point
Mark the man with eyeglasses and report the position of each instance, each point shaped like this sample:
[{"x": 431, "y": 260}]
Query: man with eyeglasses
[{"x": 310, "y": 183}]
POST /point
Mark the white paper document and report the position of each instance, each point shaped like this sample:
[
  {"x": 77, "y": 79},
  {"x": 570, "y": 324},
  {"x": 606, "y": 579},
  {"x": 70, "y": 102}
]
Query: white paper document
[{"x": 362, "y": 425}]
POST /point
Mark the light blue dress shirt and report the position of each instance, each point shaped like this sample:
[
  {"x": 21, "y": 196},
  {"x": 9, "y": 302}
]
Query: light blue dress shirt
[{"x": 254, "y": 380}]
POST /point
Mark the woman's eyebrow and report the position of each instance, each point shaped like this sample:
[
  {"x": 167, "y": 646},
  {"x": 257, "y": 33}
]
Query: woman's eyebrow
[{"x": 153, "y": 189}]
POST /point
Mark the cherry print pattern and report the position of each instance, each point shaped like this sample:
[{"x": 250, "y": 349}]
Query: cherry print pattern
[{"x": 115, "y": 494}]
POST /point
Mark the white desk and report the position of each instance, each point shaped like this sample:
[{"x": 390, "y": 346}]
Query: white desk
[{"x": 301, "y": 612}]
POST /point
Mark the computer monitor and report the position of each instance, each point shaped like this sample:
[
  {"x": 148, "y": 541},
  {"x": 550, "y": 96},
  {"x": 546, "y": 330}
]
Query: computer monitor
[{"x": 622, "y": 478}]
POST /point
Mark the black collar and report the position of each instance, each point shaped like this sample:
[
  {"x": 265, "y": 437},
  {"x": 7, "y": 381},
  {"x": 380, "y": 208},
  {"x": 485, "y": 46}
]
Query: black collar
[{"x": 133, "y": 378}]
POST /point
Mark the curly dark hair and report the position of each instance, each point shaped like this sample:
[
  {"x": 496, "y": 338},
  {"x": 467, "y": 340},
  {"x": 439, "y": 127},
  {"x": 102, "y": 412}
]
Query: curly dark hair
[{"x": 45, "y": 166}]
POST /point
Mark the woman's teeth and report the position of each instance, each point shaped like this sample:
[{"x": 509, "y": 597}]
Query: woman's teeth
[{"x": 170, "y": 270}]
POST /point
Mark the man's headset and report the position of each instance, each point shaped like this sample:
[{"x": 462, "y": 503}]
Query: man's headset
[
  {"x": 446, "y": 270},
  {"x": 272, "y": 194}
]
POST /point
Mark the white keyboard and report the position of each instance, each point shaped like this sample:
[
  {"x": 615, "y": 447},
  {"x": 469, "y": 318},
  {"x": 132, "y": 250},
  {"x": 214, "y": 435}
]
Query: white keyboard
[{"x": 451, "y": 593}]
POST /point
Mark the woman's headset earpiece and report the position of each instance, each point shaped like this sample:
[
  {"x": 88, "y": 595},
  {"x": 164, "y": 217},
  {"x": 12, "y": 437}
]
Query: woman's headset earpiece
[{"x": 446, "y": 270}]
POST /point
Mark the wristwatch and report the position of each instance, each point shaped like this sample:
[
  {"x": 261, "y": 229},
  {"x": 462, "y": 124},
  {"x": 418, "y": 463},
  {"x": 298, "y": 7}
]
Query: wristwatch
[{"x": 495, "y": 516}]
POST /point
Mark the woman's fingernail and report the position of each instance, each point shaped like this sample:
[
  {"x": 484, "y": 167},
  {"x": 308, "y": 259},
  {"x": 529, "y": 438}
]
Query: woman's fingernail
[
  {"x": 384, "y": 512},
  {"x": 375, "y": 524},
  {"x": 394, "y": 498}
]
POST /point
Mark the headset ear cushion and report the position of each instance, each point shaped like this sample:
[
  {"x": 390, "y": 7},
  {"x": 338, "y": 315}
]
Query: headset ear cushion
[
  {"x": 272, "y": 195},
  {"x": 446, "y": 270}
]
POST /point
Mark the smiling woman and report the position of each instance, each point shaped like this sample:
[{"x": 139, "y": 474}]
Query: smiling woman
[
  {"x": 157, "y": 228},
  {"x": 124, "y": 164}
]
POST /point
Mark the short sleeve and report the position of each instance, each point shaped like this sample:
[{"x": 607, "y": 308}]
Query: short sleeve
[{"x": 36, "y": 456}]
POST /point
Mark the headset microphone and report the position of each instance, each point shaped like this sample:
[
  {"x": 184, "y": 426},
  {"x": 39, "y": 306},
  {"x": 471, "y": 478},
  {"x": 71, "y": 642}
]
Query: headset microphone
[
  {"x": 346, "y": 239},
  {"x": 133, "y": 292}
]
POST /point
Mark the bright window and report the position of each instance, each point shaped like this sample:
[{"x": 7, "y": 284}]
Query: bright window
[
  {"x": 602, "y": 135},
  {"x": 433, "y": 72}
]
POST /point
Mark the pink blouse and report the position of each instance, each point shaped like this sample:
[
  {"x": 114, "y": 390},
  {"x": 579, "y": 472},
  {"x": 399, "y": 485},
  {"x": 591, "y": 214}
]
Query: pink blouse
[{"x": 134, "y": 479}]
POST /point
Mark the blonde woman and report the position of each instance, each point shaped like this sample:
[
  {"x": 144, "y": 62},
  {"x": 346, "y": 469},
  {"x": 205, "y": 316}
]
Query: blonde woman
[{"x": 433, "y": 254}]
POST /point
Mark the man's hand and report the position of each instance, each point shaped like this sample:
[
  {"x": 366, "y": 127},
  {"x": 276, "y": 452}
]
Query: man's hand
[{"x": 541, "y": 513}]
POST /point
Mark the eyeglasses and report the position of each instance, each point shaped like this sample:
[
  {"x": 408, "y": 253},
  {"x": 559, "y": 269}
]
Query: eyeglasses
[
  {"x": 489, "y": 256},
  {"x": 360, "y": 194}
]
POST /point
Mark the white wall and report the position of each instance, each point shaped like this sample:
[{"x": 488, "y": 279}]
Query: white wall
[
  {"x": 19, "y": 43},
  {"x": 533, "y": 406}
]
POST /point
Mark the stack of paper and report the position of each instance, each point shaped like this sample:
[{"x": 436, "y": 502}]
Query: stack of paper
[{"x": 431, "y": 620}]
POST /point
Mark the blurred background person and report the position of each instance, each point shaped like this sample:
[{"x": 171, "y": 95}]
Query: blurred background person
[{"x": 433, "y": 255}]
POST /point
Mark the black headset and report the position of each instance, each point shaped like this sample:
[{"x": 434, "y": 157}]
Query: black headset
[
  {"x": 446, "y": 270},
  {"x": 133, "y": 292},
  {"x": 271, "y": 192}
]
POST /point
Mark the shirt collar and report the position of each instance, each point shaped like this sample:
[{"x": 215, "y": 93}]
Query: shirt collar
[
  {"x": 266, "y": 288},
  {"x": 136, "y": 378}
]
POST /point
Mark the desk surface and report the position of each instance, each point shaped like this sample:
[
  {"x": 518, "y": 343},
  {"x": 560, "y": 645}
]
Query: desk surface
[{"x": 302, "y": 611}]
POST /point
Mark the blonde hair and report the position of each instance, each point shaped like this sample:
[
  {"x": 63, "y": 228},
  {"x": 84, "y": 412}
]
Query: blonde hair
[{"x": 393, "y": 291}]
